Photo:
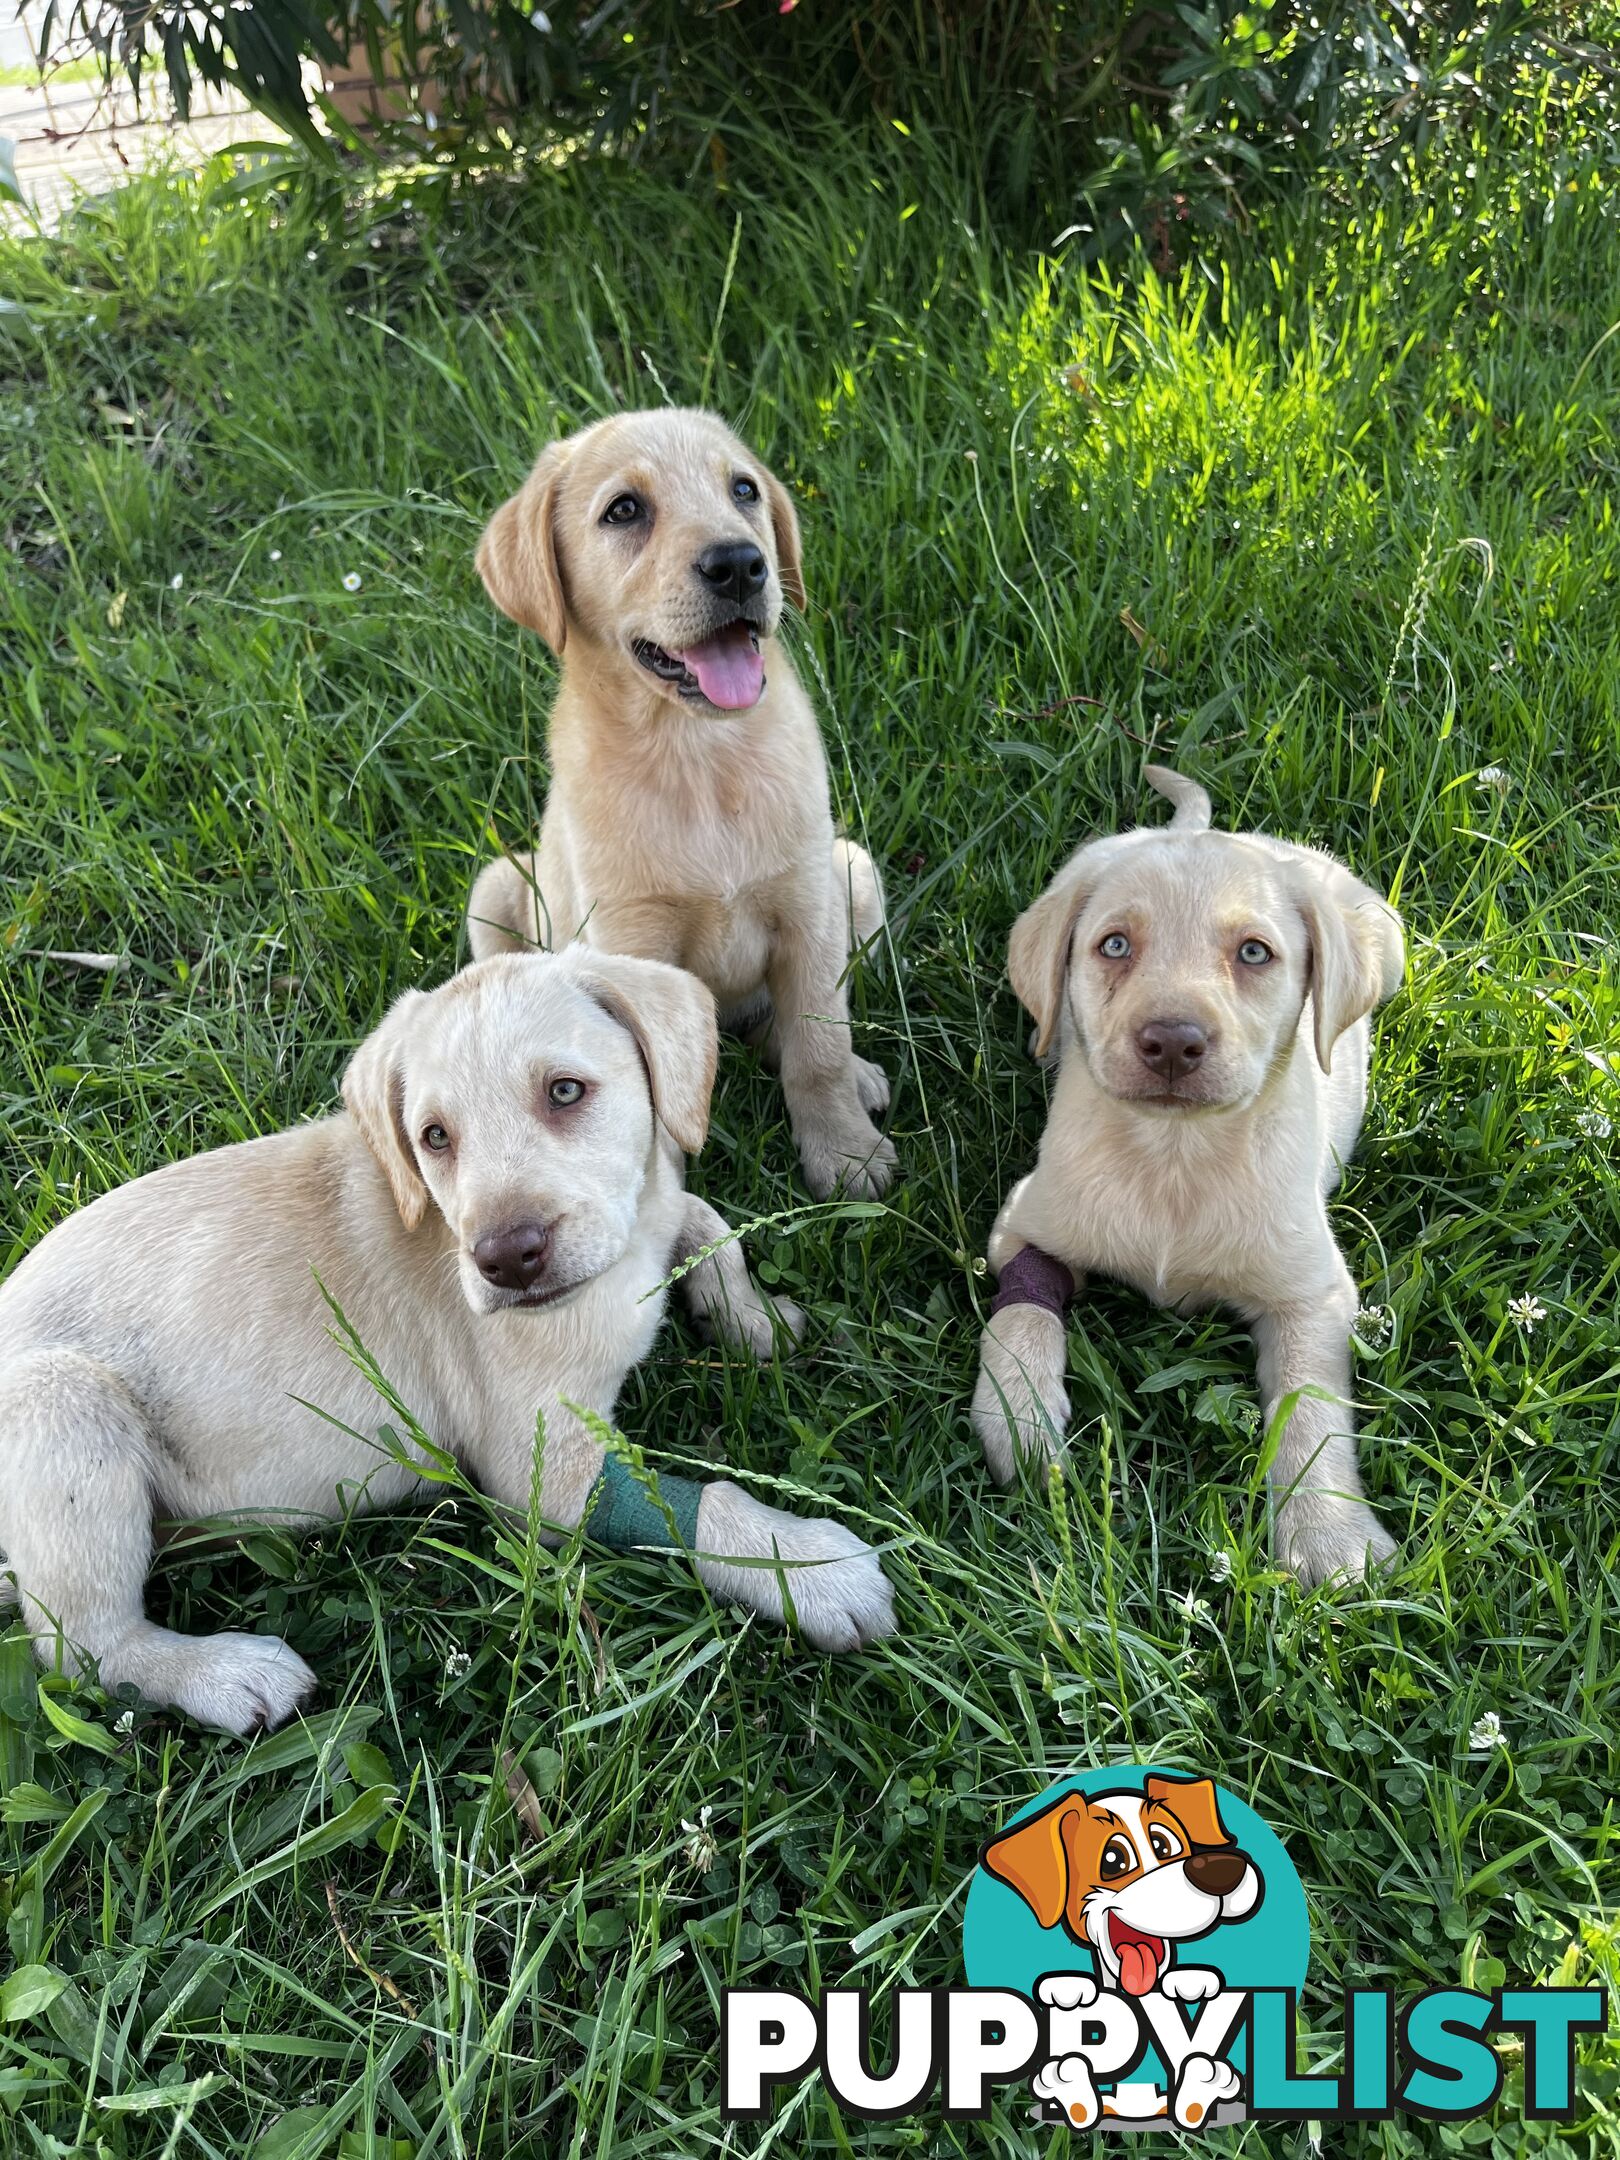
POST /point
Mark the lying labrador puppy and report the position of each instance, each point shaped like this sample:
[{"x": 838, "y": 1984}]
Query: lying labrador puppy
[
  {"x": 1209, "y": 994},
  {"x": 493, "y": 1213},
  {"x": 688, "y": 816}
]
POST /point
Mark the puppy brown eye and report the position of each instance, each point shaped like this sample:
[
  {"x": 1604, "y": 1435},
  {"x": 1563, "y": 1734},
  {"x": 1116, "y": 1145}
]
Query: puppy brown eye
[
  {"x": 436, "y": 1138},
  {"x": 1254, "y": 952},
  {"x": 1164, "y": 1846},
  {"x": 565, "y": 1093},
  {"x": 623, "y": 510},
  {"x": 1116, "y": 946},
  {"x": 744, "y": 490},
  {"x": 1117, "y": 1859}
]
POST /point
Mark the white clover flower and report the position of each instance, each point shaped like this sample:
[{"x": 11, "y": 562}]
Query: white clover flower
[
  {"x": 701, "y": 1849},
  {"x": 540, "y": 21},
  {"x": 1220, "y": 1565},
  {"x": 275, "y": 554},
  {"x": 177, "y": 581},
  {"x": 351, "y": 582},
  {"x": 1525, "y": 1312},
  {"x": 1486, "y": 1733},
  {"x": 458, "y": 1665},
  {"x": 1493, "y": 780},
  {"x": 1374, "y": 1325},
  {"x": 124, "y": 1722},
  {"x": 1594, "y": 1124}
]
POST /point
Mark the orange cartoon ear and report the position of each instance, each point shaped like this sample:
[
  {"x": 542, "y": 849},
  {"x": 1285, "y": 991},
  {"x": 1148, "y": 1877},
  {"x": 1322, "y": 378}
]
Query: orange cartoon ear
[
  {"x": 1032, "y": 1860},
  {"x": 1192, "y": 1802}
]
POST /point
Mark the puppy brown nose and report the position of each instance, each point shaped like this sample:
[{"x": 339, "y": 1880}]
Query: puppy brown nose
[
  {"x": 1217, "y": 1874},
  {"x": 511, "y": 1259},
  {"x": 1171, "y": 1048},
  {"x": 733, "y": 568}
]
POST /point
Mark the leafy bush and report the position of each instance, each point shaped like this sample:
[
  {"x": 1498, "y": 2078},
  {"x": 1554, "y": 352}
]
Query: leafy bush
[{"x": 1149, "y": 115}]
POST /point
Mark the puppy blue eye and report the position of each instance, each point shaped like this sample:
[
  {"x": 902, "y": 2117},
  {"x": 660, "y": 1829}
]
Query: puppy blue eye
[
  {"x": 744, "y": 489},
  {"x": 436, "y": 1138},
  {"x": 1116, "y": 946},
  {"x": 1253, "y": 952},
  {"x": 623, "y": 510},
  {"x": 565, "y": 1093}
]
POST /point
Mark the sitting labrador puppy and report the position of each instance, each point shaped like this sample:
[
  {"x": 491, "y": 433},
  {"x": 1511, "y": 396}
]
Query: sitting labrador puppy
[
  {"x": 688, "y": 817},
  {"x": 494, "y": 1213},
  {"x": 1209, "y": 995}
]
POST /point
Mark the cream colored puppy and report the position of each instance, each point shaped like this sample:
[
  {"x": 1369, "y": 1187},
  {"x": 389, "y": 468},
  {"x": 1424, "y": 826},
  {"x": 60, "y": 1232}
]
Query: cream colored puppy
[
  {"x": 1209, "y": 994},
  {"x": 494, "y": 1214},
  {"x": 688, "y": 817}
]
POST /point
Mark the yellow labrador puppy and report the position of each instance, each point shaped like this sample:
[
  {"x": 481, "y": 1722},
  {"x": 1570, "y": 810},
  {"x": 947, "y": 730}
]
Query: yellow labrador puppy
[
  {"x": 1209, "y": 994},
  {"x": 688, "y": 817},
  {"x": 494, "y": 1214}
]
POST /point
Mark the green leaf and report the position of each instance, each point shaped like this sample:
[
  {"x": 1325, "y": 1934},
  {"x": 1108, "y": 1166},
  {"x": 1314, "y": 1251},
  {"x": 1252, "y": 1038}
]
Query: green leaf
[
  {"x": 9, "y": 190},
  {"x": 77, "y": 1729},
  {"x": 544, "y": 1768},
  {"x": 310, "y": 1739},
  {"x": 30, "y": 1989},
  {"x": 40, "y": 1870},
  {"x": 367, "y": 1765},
  {"x": 292, "y": 2137},
  {"x": 148, "y": 2099},
  {"x": 32, "y": 1803},
  {"x": 356, "y": 1821}
]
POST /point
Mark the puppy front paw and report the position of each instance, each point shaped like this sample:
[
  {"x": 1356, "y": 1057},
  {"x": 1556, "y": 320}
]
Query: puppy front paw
[
  {"x": 871, "y": 1086},
  {"x": 1020, "y": 1405},
  {"x": 241, "y": 1684},
  {"x": 1325, "y": 1537},
  {"x": 1070, "y": 2087},
  {"x": 758, "y": 1323},
  {"x": 842, "y": 1151},
  {"x": 841, "y": 1597}
]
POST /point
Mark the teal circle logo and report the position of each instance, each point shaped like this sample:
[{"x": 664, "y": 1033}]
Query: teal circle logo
[{"x": 1123, "y": 1896}]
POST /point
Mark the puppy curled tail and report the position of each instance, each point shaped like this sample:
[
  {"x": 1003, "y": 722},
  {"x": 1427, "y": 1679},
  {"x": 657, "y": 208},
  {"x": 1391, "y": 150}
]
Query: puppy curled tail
[{"x": 1193, "y": 812}]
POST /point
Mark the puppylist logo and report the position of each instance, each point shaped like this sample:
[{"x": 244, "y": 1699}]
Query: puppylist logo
[{"x": 1135, "y": 1943}]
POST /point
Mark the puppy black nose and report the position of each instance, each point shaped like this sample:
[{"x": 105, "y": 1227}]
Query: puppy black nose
[
  {"x": 1171, "y": 1048},
  {"x": 1217, "y": 1874},
  {"x": 511, "y": 1259},
  {"x": 735, "y": 568}
]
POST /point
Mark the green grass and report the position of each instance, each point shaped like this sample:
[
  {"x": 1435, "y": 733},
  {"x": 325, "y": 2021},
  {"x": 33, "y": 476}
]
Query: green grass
[{"x": 1331, "y": 523}]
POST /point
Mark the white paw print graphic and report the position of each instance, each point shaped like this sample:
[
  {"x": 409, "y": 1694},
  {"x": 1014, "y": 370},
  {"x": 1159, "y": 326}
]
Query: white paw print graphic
[
  {"x": 1202, "y": 2085},
  {"x": 1069, "y": 2084}
]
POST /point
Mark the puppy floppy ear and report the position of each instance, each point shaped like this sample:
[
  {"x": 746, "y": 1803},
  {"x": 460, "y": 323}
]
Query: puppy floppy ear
[
  {"x": 374, "y": 1096},
  {"x": 1193, "y": 1803},
  {"x": 1038, "y": 950},
  {"x": 1033, "y": 1859},
  {"x": 517, "y": 556},
  {"x": 672, "y": 1017},
  {"x": 789, "y": 552},
  {"x": 1357, "y": 952}
]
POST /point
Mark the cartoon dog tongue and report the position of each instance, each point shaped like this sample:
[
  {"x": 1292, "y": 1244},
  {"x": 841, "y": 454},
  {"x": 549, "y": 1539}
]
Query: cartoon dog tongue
[
  {"x": 1140, "y": 1957},
  {"x": 729, "y": 670}
]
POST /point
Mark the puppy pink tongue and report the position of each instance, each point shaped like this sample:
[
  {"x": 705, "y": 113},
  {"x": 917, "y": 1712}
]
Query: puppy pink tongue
[
  {"x": 729, "y": 670},
  {"x": 1138, "y": 1967}
]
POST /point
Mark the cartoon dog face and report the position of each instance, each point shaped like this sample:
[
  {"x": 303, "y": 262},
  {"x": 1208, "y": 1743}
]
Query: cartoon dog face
[{"x": 1130, "y": 1874}]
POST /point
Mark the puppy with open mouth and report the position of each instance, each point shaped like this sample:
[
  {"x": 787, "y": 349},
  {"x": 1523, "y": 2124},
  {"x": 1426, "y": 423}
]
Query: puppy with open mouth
[
  {"x": 495, "y": 1212},
  {"x": 1207, "y": 994},
  {"x": 688, "y": 817}
]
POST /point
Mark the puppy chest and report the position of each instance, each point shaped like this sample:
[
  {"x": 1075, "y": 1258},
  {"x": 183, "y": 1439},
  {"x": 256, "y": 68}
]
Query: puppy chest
[
  {"x": 1167, "y": 1237},
  {"x": 726, "y": 944}
]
